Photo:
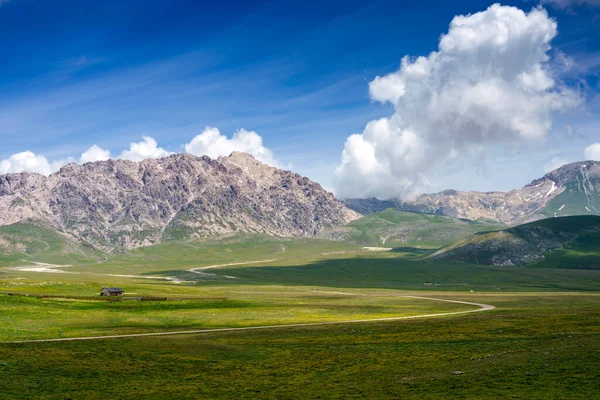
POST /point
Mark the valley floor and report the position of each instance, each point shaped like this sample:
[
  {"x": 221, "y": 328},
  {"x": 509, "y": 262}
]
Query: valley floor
[
  {"x": 479, "y": 307},
  {"x": 541, "y": 341},
  {"x": 531, "y": 346}
]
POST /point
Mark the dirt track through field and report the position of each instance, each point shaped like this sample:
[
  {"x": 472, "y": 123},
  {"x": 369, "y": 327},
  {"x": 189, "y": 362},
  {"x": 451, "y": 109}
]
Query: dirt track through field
[
  {"x": 482, "y": 307},
  {"x": 200, "y": 269}
]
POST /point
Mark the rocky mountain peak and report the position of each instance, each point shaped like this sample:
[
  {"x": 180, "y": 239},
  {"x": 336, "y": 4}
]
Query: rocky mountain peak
[
  {"x": 118, "y": 203},
  {"x": 240, "y": 156},
  {"x": 571, "y": 172}
]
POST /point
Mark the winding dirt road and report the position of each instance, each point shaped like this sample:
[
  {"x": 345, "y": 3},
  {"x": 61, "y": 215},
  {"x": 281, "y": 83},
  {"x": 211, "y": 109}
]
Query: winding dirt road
[{"x": 482, "y": 307}]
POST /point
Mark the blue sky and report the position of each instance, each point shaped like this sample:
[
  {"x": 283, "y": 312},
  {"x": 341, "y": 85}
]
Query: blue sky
[{"x": 78, "y": 73}]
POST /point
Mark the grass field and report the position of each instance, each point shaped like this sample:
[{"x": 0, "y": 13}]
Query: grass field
[
  {"x": 534, "y": 346},
  {"x": 43, "y": 318},
  {"x": 542, "y": 340}
]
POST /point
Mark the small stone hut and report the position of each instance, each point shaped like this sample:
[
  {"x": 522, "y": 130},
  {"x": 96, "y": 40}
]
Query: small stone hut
[{"x": 111, "y": 291}]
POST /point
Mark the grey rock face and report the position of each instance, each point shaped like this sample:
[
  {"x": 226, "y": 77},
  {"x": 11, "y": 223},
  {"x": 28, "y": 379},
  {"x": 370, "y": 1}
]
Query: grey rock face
[
  {"x": 573, "y": 189},
  {"x": 118, "y": 203}
]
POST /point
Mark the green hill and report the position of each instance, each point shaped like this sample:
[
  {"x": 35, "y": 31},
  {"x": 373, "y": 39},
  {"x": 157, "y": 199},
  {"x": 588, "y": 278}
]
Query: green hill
[
  {"x": 567, "y": 242},
  {"x": 393, "y": 228},
  {"x": 576, "y": 199},
  {"x": 33, "y": 242}
]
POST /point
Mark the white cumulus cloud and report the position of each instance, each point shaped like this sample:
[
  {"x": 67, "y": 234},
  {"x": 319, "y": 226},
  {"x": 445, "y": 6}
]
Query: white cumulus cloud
[
  {"x": 592, "y": 152},
  {"x": 213, "y": 144},
  {"x": 27, "y": 161},
  {"x": 94, "y": 153},
  {"x": 488, "y": 83},
  {"x": 554, "y": 163},
  {"x": 147, "y": 148}
]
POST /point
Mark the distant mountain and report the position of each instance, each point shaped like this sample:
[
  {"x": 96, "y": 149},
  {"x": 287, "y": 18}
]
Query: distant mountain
[
  {"x": 395, "y": 228},
  {"x": 566, "y": 242},
  {"x": 123, "y": 204},
  {"x": 372, "y": 205},
  {"x": 573, "y": 189}
]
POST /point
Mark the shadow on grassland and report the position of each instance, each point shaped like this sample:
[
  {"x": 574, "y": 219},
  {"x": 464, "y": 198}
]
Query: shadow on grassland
[{"x": 396, "y": 273}]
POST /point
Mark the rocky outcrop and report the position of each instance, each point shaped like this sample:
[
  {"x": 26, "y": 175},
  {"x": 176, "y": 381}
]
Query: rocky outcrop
[{"x": 117, "y": 203}]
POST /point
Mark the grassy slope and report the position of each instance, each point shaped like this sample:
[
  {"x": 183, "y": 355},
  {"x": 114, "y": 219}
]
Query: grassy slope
[
  {"x": 176, "y": 256},
  {"x": 391, "y": 228},
  {"x": 566, "y": 242},
  {"x": 581, "y": 253},
  {"x": 32, "y": 242},
  {"x": 572, "y": 202}
]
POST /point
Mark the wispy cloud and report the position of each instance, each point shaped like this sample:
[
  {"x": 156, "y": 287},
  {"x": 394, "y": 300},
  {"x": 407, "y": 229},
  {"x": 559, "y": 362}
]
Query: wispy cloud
[
  {"x": 80, "y": 61},
  {"x": 170, "y": 98},
  {"x": 571, "y": 3}
]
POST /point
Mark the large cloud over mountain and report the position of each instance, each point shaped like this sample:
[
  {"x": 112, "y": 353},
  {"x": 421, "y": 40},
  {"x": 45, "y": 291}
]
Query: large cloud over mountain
[
  {"x": 489, "y": 83},
  {"x": 213, "y": 144}
]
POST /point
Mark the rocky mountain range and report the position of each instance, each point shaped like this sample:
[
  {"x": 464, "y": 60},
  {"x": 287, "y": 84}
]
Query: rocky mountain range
[
  {"x": 122, "y": 204},
  {"x": 573, "y": 189}
]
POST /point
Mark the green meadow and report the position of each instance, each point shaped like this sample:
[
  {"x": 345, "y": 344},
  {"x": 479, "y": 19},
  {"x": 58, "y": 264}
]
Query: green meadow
[
  {"x": 534, "y": 346},
  {"x": 392, "y": 228},
  {"x": 42, "y": 318},
  {"x": 541, "y": 340}
]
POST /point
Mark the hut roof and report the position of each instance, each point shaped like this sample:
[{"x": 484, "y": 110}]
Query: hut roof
[{"x": 112, "y": 289}]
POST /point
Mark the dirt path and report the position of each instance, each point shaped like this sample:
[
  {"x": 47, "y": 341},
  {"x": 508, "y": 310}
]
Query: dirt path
[
  {"x": 482, "y": 307},
  {"x": 43, "y": 267},
  {"x": 200, "y": 269},
  {"x": 371, "y": 248}
]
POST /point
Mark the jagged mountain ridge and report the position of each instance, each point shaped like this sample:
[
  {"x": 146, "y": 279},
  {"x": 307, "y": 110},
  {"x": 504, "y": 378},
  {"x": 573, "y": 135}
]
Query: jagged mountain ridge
[
  {"x": 123, "y": 204},
  {"x": 573, "y": 189}
]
